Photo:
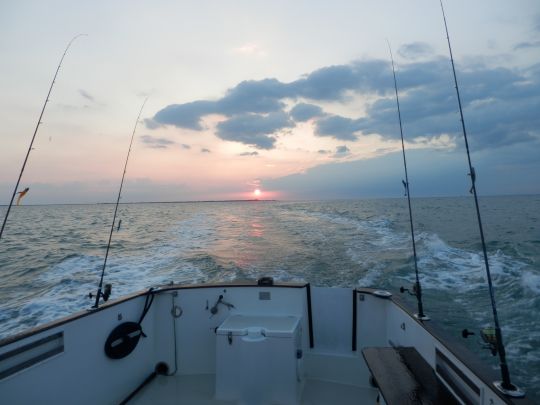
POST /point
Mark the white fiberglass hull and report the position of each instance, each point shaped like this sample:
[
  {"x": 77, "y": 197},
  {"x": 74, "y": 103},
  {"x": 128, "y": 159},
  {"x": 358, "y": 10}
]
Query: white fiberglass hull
[{"x": 317, "y": 357}]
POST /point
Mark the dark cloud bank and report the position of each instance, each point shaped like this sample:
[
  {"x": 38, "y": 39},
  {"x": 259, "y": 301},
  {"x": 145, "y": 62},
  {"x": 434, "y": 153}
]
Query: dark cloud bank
[
  {"x": 501, "y": 105},
  {"x": 438, "y": 173}
]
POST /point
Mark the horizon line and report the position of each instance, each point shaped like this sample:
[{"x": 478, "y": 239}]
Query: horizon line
[
  {"x": 146, "y": 202},
  {"x": 270, "y": 200}
]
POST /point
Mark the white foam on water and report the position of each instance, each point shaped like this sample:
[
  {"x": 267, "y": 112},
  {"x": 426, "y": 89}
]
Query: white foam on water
[
  {"x": 68, "y": 283},
  {"x": 372, "y": 277},
  {"x": 531, "y": 281},
  {"x": 195, "y": 232},
  {"x": 372, "y": 236},
  {"x": 72, "y": 267},
  {"x": 374, "y": 230},
  {"x": 462, "y": 273},
  {"x": 444, "y": 267},
  {"x": 254, "y": 273}
]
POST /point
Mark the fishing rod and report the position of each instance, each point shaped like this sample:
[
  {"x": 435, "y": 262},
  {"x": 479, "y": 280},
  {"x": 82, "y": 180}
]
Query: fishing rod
[
  {"x": 35, "y": 132},
  {"x": 417, "y": 290},
  {"x": 105, "y": 295},
  {"x": 505, "y": 386}
]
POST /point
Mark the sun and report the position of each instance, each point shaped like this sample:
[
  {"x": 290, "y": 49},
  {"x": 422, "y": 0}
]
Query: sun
[{"x": 257, "y": 193}]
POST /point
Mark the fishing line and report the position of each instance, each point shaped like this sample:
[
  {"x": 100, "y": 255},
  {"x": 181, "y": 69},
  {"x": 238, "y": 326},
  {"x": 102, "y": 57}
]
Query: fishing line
[
  {"x": 35, "y": 132},
  {"x": 417, "y": 287},
  {"x": 99, "y": 293},
  {"x": 505, "y": 386}
]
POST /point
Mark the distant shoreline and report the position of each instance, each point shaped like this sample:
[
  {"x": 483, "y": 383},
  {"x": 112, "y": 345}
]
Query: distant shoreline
[
  {"x": 147, "y": 202},
  {"x": 186, "y": 202},
  {"x": 265, "y": 200}
]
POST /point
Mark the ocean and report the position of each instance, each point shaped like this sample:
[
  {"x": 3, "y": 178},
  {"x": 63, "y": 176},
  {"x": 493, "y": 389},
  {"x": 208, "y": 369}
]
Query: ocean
[{"x": 51, "y": 257}]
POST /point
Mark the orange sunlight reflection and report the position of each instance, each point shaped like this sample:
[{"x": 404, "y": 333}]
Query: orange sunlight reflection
[{"x": 257, "y": 230}]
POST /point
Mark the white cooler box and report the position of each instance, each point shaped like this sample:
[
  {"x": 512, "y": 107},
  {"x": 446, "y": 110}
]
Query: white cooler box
[{"x": 259, "y": 359}]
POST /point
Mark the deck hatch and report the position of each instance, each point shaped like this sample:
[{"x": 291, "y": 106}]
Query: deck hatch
[
  {"x": 28, "y": 355},
  {"x": 462, "y": 385}
]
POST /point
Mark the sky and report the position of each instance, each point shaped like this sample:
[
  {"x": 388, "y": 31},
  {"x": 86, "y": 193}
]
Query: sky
[{"x": 294, "y": 98}]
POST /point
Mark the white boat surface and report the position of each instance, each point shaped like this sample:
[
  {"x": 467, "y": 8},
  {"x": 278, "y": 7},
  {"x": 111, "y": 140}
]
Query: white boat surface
[{"x": 252, "y": 342}]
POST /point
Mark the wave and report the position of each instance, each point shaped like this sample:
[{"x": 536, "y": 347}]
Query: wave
[
  {"x": 531, "y": 281},
  {"x": 444, "y": 267},
  {"x": 64, "y": 286}
]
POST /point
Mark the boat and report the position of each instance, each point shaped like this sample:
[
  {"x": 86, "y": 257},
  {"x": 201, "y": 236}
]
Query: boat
[{"x": 245, "y": 342}]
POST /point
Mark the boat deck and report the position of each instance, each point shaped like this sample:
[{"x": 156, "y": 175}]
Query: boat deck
[{"x": 199, "y": 390}]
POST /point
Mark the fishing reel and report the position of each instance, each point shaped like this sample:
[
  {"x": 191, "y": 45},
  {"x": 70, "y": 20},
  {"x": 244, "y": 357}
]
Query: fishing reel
[
  {"x": 414, "y": 291},
  {"x": 488, "y": 336},
  {"x": 105, "y": 294}
]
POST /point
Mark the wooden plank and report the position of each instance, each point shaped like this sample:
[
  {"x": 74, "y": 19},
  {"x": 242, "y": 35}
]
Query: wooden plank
[
  {"x": 432, "y": 387},
  {"x": 404, "y": 377}
]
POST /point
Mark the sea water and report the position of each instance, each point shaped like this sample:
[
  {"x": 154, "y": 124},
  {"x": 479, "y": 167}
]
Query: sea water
[{"x": 51, "y": 257}]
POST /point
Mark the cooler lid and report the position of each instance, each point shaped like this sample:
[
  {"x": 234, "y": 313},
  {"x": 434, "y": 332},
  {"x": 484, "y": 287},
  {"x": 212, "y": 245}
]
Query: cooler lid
[{"x": 273, "y": 326}]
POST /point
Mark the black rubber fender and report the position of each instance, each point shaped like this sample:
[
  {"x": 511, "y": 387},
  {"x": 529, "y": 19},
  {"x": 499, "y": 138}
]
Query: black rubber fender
[{"x": 123, "y": 340}]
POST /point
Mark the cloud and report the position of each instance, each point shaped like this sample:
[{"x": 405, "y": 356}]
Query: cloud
[
  {"x": 254, "y": 183},
  {"x": 328, "y": 83},
  {"x": 338, "y": 127},
  {"x": 86, "y": 95},
  {"x": 527, "y": 45},
  {"x": 156, "y": 143},
  {"x": 378, "y": 177},
  {"x": 324, "y": 151},
  {"x": 333, "y": 82},
  {"x": 254, "y": 96},
  {"x": 415, "y": 50},
  {"x": 241, "y": 103},
  {"x": 185, "y": 146},
  {"x": 381, "y": 177},
  {"x": 255, "y": 153},
  {"x": 101, "y": 190},
  {"x": 204, "y": 150},
  {"x": 250, "y": 49},
  {"x": 151, "y": 123},
  {"x": 497, "y": 173},
  {"x": 500, "y": 104},
  {"x": 342, "y": 151},
  {"x": 185, "y": 115},
  {"x": 254, "y": 129},
  {"x": 302, "y": 112}
]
